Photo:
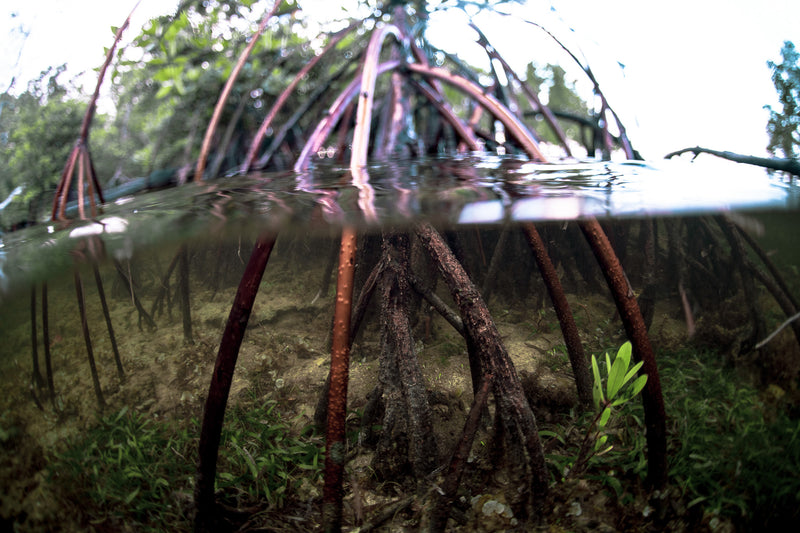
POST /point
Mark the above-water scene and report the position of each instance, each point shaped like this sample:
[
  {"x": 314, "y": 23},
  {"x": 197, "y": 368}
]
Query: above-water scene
[{"x": 286, "y": 270}]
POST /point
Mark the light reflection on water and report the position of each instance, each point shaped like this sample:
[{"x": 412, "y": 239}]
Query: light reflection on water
[{"x": 473, "y": 189}]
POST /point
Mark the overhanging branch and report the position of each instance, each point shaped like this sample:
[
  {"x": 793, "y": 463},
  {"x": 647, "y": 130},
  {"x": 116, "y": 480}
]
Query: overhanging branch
[{"x": 792, "y": 166}]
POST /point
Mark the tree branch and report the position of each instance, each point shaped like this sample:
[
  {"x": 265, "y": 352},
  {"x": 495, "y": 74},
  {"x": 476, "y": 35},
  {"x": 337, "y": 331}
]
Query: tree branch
[{"x": 792, "y": 166}]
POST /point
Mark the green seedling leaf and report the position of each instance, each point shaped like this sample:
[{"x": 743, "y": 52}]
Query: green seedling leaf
[
  {"x": 639, "y": 384},
  {"x": 632, "y": 391},
  {"x": 597, "y": 388},
  {"x": 632, "y": 372},
  {"x": 625, "y": 352},
  {"x": 617, "y": 373},
  {"x": 604, "y": 417}
]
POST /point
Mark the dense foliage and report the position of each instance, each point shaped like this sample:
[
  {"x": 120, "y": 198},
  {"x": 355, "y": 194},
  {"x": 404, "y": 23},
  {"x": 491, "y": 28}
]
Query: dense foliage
[
  {"x": 165, "y": 84},
  {"x": 37, "y": 131},
  {"x": 784, "y": 125}
]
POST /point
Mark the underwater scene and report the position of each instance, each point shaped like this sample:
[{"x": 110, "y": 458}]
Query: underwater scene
[
  {"x": 338, "y": 275},
  {"x": 464, "y": 329}
]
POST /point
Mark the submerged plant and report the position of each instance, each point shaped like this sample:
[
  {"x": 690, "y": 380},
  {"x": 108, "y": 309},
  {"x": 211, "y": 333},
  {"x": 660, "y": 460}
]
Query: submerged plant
[
  {"x": 609, "y": 392},
  {"x": 127, "y": 470},
  {"x": 137, "y": 472},
  {"x": 261, "y": 460},
  {"x": 734, "y": 453}
]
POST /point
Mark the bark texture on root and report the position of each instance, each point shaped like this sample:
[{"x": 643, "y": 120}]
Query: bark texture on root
[
  {"x": 636, "y": 330},
  {"x": 405, "y": 395},
  {"x": 488, "y": 357}
]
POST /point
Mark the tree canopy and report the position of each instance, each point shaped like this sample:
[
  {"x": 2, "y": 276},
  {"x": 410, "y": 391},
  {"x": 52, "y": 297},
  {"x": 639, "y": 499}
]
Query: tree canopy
[
  {"x": 784, "y": 124},
  {"x": 165, "y": 84},
  {"x": 37, "y": 131}
]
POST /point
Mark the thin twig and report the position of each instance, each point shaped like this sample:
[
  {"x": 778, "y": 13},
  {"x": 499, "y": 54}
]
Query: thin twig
[{"x": 780, "y": 328}]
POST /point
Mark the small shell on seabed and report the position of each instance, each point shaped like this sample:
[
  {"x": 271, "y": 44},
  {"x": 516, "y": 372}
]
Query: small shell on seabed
[{"x": 492, "y": 512}]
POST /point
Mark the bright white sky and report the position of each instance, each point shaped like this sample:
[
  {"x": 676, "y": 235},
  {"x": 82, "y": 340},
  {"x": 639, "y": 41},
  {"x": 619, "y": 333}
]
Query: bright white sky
[{"x": 695, "y": 70}]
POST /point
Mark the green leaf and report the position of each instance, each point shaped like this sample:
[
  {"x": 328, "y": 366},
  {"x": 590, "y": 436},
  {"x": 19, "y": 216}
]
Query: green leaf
[
  {"x": 697, "y": 500},
  {"x": 615, "y": 484},
  {"x": 639, "y": 384},
  {"x": 632, "y": 372},
  {"x": 616, "y": 375},
  {"x": 602, "y": 452},
  {"x": 625, "y": 352},
  {"x": 180, "y": 87},
  {"x": 604, "y": 417},
  {"x": 169, "y": 73},
  {"x": 164, "y": 91},
  {"x": 597, "y": 387},
  {"x": 544, "y": 433},
  {"x": 129, "y": 498}
]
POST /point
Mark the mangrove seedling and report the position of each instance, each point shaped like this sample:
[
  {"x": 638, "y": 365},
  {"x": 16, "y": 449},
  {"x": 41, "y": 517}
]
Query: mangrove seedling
[{"x": 608, "y": 393}]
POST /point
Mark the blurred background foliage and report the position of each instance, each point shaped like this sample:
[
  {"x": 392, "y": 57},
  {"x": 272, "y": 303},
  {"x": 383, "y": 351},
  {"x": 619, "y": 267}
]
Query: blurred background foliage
[{"x": 164, "y": 86}]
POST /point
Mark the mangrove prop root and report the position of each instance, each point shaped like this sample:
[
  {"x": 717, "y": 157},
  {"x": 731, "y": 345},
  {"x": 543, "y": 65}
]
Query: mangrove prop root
[
  {"x": 768, "y": 263},
  {"x": 332, "y": 494},
  {"x": 138, "y": 304},
  {"x": 437, "y": 303},
  {"x": 580, "y": 366},
  {"x": 494, "y": 264},
  {"x": 281, "y": 100},
  {"x": 400, "y": 368},
  {"x": 226, "y": 91},
  {"x": 183, "y": 280},
  {"x": 654, "y": 415},
  {"x": 325, "y": 282},
  {"x": 742, "y": 263},
  {"x": 81, "y": 149},
  {"x": 364, "y": 297},
  {"x": 88, "y": 339},
  {"x": 488, "y": 356},
  {"x": 163, "y": 289},
  {"x": 779, "y": 295},
  {"x": 46, "y": 342},
  {"x": 36, "y": 377},
  {"x": 221, "y": 380},
  {"x": 99, "y": 281},
  {"x": 447, "y": 496},
  {"x": 775, "y": 284}
]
